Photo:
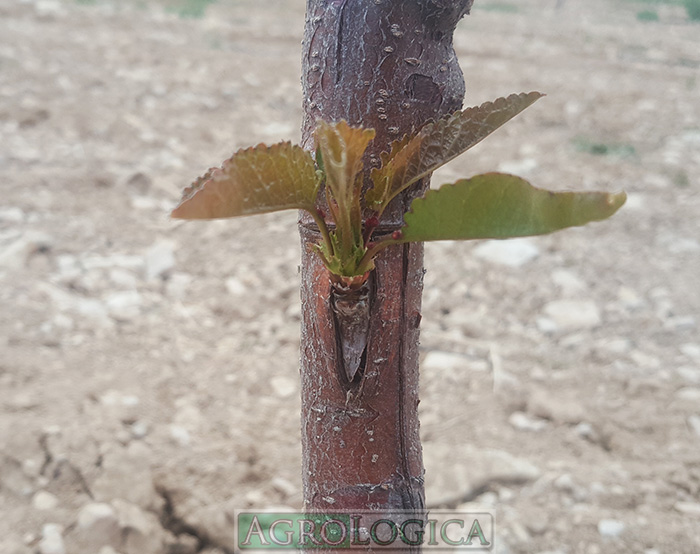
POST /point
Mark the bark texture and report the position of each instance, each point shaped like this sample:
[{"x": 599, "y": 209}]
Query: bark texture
[{"x": 389, "y": 65}]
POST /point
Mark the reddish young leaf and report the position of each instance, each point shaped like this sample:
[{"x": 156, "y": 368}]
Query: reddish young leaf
[
  {"x": 253, "y": 181},
  {"x": 342, "y": 148},
  {"x": 438, "y": 143}
]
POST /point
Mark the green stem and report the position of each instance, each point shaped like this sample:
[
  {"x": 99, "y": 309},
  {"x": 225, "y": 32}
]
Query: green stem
[
  {"x": 366, "y": 261},
  {"x": 323, "y": 229},
  {"x": 344, "y": 227}
]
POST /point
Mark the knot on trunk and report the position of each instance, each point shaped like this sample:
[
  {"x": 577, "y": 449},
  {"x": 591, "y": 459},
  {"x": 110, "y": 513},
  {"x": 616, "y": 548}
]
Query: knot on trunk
[{"x": 351, "y": 311}]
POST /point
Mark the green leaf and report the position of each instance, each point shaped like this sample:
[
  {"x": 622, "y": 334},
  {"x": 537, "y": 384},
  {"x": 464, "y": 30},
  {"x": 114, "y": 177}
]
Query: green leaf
[
  {"x": 499, "y": 206},
  {"x": 253, "y": 181},
  {"x": 438, "y": 143}
]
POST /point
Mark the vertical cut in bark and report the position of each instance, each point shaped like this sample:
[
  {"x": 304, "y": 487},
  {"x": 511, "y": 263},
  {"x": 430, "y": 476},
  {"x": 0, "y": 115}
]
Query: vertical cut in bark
[{"x": 388, "y": 65}]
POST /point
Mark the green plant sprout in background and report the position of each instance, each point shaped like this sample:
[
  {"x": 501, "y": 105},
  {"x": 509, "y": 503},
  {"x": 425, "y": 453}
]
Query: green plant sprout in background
[
  {"x": 598, "y": 148},
  {"x": 693, "y": 9},
  {"x": 190, "y": 8},
  {"x": 493, "y": 205},
  {"x": 647, "y": 15}
]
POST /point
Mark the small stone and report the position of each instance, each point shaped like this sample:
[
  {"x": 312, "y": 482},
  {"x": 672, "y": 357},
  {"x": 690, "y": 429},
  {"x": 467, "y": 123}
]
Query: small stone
[
  {"x": 97, "y": 526},
  {"x": 12, "y": 214},
  {"x": 119, "y": 405},
  {"x": 124, "y": 305},
  {"x": 511, "y": 253},
  {"x": 636, "y": 201},
  {"x": 126, "y": 474},
  {"x": 571, "y": 315},
  {"x": 160, "y": 259},
  {"x": 32, "y": 467},
  {"x": 691, "y": 349},
  {"x": 188, "y": 415},
  {"x": 503, "y": 465},
  {"x": 683, "y": 245},
  {"x": 13, "y": 479},
  {"x": 655, "y": 180},
  {"x": 139, "y": 429},
  {"x": 123, "y": 278},
  {"x": 538, "y": 525},
  {"x": 95, "y": 514},
  {"x": 643, "y": 360},
  {"x": 518, "y": 167},
  {"x": 680, "y": 323},
  {"x": 566, "y": 483},
  {"x": 52, "y": 539},
  {"x": 694, "y": 424},
  {"x": 48, "y": 8},
  {"x": 180, "y": 435},
  {"x": 93, "y": 309},
  {"x": 141, "y": 532},
  {"x": 568, "y": 282},
  {"x": 17, "y": 254},
  {"x": 555, "y": 408},
  {"x": 43, "y": 500},
  {"x": 139, "y": 183},
  {"x": 688, "y": 508},
  {"x": 293, "y": 312},
  {"x": 124, "y": 261},
  {"x": 615, "y": 345},
  {"x": 214, "y": 522},
  {"x": 546, "y": 325},
  {"x": 519, "y": 532},
  {"x": 21, "y": 402},
  {"x": 16, "y": 545},
  {"x": 285, "y": 487},
  {"x": 629, "y": 298},
  {"x": 524, "y": 422},
  {"x": 502, "y": 545},
  {"x": 68, "y": 267},
  {"x": 585, "y": 431},
  {"x": 284, "y": 387},
  {"x": 178, "y": 284},
  {"x": 610, "y": 528},
  {"x": 146, "y": 203},
  {"x": 235, "y": 286},
  {"x": 278, "y": 129},
  {"x": 509, "y": 389},
  {"x": 691, "y": 394},
  {"x": 185, "y": 544},
  {"x": 257, "y": 497},
  {"x": 438, "y": 360}
]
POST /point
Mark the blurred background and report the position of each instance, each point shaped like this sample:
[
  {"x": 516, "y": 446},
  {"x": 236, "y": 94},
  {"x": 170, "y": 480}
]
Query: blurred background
[{"x": 149, "y": 368}]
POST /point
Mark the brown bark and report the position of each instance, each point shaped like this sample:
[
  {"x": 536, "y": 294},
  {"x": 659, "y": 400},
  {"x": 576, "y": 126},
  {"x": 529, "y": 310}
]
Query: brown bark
[{"x": 389, "y": 65}]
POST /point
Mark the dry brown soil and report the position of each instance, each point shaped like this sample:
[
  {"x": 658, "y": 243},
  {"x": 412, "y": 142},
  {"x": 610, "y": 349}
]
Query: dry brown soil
[{"x": 149, "y": 367}]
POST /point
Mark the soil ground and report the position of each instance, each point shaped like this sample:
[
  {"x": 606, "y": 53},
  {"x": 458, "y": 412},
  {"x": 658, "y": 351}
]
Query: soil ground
[{"x": 150, "y": 367}]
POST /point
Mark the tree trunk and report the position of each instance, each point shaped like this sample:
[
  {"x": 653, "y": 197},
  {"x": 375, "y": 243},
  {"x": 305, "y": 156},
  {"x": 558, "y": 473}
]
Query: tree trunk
[{"x": 388, "y": 65}]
